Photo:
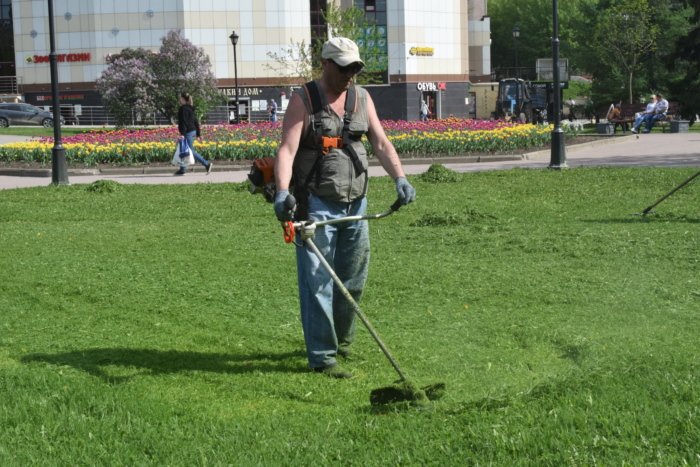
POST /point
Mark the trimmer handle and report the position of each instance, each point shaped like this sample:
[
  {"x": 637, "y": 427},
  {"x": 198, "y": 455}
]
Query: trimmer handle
[{"x": 290, "y": 228}]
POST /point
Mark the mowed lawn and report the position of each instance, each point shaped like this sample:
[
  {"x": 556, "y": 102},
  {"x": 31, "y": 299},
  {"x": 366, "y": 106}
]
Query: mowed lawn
[{"x": 158, "y": 325}]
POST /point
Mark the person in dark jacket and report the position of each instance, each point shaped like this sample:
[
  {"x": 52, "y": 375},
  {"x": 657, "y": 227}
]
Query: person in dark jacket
[{"x": 188, "y": 126}]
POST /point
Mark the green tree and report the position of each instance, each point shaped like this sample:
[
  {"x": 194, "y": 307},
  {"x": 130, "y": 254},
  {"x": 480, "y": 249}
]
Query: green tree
[
  {"x": 301, "y": 60},
  {"x": 624, "y": 36},
  {"x": 534, "y": 19},
  {"x": 611, "y": 83},
  {"x": 679, "y": 69},
  {"x": 294, "y": 61}
]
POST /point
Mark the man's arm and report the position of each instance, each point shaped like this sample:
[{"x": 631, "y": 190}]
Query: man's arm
[
  {"x": 385, "y": 151},
  {"x": 292, "y": 129}
]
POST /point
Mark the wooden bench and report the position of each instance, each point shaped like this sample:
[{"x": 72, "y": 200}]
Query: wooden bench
[{"x": 627, "y": 117}]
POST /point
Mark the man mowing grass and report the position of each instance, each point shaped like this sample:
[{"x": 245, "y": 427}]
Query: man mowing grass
[{"x": 322, "y": 148}]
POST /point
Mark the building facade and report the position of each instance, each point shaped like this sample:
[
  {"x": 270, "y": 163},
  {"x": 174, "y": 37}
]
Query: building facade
[{"x": 425, "y": 51}]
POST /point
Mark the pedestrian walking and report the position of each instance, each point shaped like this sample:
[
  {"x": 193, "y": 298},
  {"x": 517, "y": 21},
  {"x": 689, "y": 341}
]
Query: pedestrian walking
[
  {"x": 189, "y": 129},
  {"x": 424, "y": 111},
  {"x": 272, "y": 110}
]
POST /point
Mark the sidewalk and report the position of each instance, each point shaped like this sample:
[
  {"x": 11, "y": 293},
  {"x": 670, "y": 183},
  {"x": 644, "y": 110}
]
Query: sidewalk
[{"x": 656, "y": 149}]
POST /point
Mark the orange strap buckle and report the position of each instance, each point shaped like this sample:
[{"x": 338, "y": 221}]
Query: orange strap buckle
[{"x": 328, "y": 142}]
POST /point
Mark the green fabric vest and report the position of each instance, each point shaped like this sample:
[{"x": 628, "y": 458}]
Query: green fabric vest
[{"x": 335, "y": 177}]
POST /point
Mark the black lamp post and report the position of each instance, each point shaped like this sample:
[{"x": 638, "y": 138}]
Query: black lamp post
[
  {"x": 234, "y": 41},
  {"x": 516, "y": 35},
  {"x": 59, "y": 170},
  {"x": 558, "y": 155}
]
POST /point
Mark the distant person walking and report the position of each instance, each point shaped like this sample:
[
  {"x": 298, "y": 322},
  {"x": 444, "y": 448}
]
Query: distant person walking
[
  {"x": 424, "y": 111},
  {"x": 272, "y": 110},
  {"x": 188, "y": 126}
]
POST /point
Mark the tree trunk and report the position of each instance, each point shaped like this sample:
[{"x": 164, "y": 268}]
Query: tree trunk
[{"x": 630, "y": 87}]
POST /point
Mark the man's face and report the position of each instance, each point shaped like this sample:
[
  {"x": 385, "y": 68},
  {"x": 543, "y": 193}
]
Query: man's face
[{"x": 340, "y": 77}]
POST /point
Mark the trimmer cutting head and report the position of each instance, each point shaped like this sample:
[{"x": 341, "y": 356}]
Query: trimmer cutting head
[{"x": 406, "y": 391}]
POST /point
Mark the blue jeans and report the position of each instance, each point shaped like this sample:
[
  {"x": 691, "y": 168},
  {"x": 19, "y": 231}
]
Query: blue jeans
[
  {"x": 190, "y": 142},
  {"x": 650, "y": 119},
  {"x": 327, "y": 318},
  {"x": 638, "y": 121}
]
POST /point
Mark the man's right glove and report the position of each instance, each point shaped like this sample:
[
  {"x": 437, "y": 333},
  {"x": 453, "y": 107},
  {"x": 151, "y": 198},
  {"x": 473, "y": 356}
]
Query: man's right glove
[
  {"x": 405, "y": 191},
  {"x": 285, "y": 205}
]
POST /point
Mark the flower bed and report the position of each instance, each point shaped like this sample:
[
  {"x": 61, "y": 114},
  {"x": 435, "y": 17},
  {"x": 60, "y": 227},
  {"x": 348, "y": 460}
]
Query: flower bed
[{"x": 240, "y": 142}]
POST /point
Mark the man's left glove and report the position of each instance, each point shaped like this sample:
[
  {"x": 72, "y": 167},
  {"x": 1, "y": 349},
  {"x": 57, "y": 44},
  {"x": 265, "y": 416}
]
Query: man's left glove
[
  {"x": 405, "y": 191},
  {"x": 285, "y": 205}
]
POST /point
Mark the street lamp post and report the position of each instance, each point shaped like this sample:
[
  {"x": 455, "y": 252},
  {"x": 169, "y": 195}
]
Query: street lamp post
[
  {"x": 234, "y": 41},
  {"x": 516, "y": 35},
  {"x": 558, "y": 153},
  {"x": 59, "y": 170}
]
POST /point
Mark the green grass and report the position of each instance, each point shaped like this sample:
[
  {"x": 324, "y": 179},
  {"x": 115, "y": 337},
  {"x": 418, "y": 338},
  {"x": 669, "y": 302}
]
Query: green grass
[
  {"x": 40, "y": 131},
  {"x": 158, "y": 325}
]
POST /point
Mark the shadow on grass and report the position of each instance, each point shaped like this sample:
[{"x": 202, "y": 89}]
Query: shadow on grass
[
  {"x": 637, "y": 218},
  {"x": 118, "y": 365}
]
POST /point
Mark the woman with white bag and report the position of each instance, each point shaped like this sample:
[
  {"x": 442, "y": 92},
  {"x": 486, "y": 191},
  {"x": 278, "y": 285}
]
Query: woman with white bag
[{"x": 188, "y": 126}]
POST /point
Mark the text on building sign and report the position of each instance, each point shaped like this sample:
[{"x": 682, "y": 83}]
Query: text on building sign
[{"x": 77, "y": 57}]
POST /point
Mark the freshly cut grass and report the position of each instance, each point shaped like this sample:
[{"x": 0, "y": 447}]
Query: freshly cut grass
[{"x": 158, "y": 325}]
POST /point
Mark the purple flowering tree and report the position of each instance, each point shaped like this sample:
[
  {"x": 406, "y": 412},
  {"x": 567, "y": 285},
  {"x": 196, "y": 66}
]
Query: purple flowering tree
[
  {"x": 139, "y": 82},
  {"x": 179, "y": 67},
  {"x": 128, "y": 88}
]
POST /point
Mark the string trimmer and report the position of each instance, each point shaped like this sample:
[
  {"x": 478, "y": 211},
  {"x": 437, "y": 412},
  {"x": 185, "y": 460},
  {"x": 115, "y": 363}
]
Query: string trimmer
[
  {"x": 404, "y": 390},
  {"x": 658, "y": 201}
]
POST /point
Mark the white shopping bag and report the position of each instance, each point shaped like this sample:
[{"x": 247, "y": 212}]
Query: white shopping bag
[{"x": 183, "y": 154}]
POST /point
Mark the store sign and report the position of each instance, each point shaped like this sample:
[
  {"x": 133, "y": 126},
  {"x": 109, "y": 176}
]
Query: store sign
[
  {"x": 77, "y": 57},
  {"x": 427, "y": 86},
  {"x": 431, "y": 86},
  {"x": 245, "y": 92},
  {"x": 63, "y": 97},
  {"x": 422, "y": 51}
]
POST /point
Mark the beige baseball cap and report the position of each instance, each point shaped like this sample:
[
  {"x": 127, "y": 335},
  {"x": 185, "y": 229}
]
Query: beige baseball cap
[{"x": 342, "y": 51}]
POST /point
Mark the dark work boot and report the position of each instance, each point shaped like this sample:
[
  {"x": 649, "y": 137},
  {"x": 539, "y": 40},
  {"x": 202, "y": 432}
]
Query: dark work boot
[
  {"x": 344, "y": 351},
  {"x": 333, "y": 371}
]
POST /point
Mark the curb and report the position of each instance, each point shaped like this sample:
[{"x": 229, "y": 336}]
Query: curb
[{"x": 236, "y": 167}]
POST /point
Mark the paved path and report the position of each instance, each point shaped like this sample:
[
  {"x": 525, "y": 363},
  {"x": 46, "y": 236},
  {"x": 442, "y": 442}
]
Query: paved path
[{"x": 657, "y": 149}]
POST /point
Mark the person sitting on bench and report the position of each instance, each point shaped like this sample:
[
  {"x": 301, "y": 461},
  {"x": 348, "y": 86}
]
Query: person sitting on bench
[
  {"x": 659, "y": 113},
  {"x": 615, "y": 117},
  {"x": 639, "y": 118}
]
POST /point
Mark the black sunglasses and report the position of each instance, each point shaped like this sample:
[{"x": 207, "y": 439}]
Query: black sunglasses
[{"x": 353, "y": 68}]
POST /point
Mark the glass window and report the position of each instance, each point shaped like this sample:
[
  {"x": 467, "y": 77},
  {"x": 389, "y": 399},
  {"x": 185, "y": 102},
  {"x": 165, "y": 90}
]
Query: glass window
[
  {"x": 5, "y": 9},
  {"x": 318, "y": 24}
]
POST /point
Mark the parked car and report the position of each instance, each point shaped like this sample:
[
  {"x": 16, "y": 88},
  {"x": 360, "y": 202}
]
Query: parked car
[{"x": 24, "y": 114}]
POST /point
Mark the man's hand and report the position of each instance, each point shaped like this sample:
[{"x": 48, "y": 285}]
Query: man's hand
[
  {"x": 285, "y": 205},
  {"x": 406, "y": 192}
]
